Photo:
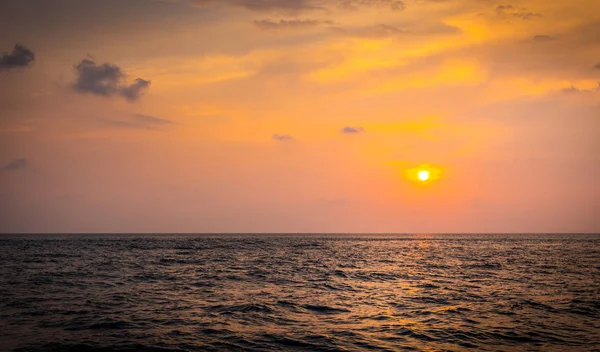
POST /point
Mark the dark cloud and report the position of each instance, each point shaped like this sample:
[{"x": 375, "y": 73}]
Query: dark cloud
[
  {"x": 290, "y": 6},
  {"x": 291, "y": 24},
  {"x": 16, "y": 164},
  {"x": 19, "y": 57},
  {"x": 542, "y": 38},
  {"x": 349, "y": 129},
  {"x": 102, "y": 79},
  {"x": 573, "y": 90},
  {"x": 134, "y": 91},
  {"x": 597, "y": 66},
  {"x": 140, "y": 121},
  {"x": 570, "y": 90},
  {"x": 282, "y": 137},
  {"x": 107, "y": 80},
  {"x": 387, "y": 31},
  {"x": 377, "y": 31},
  {"x": 394, "y": 5},
  {"x": 151, "y": 119},
  {"x": 296, "y": 6},
  {"x": 508, "y": 11},
  {"x": 526, "y": 15}
]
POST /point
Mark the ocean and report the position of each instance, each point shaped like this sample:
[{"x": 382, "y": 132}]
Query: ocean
[{"x": 345, "y": 292}]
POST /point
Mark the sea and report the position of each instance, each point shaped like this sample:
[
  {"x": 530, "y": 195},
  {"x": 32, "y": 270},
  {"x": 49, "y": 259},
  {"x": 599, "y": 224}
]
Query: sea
[{"x": 300, "y": 292}]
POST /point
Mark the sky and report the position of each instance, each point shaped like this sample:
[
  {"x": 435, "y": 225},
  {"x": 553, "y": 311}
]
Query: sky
[{"x": 299, "y": 116}]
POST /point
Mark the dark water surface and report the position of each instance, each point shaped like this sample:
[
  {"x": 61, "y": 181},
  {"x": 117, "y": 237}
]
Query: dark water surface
[{"x": 308, "y": 293}]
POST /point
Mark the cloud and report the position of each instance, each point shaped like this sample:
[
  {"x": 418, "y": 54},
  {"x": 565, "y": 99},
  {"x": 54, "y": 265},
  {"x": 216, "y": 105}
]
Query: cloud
[
  {"x": 264, "y": 5},
  {"x": 102, "y": 79},
  {"x": 574, "y": 90},
  {"x": 134, "y": 91},
  {"x": 140, "y": 121},
  {"x": 597, "y": 66},
  {"x": 16, "y": 164},
  {"x": 285, "y": 24},
  {"x": 508, "y": 11},
  {"x": 107, "y": 80},
  {"x": 282, "y": 137},
  {"x": 376, "y": 31},
  {"x": 295, "y": 6},
  {"x": 394, "y": 5},
  {"x": 349, "y": 129},
  {"x": 542, "y": 38},
  {"x": 19, "y": 57},
  {"x": 570, "y": 90},
  {"x": 152, "y": 119},
  {"x": 386, "y": 31}
]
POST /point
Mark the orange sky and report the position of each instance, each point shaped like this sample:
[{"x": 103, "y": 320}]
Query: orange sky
[{"x": 300, "y": 116}]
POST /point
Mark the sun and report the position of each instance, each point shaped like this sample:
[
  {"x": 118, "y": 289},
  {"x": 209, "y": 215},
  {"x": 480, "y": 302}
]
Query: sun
[{"x": 424, "y": 174}]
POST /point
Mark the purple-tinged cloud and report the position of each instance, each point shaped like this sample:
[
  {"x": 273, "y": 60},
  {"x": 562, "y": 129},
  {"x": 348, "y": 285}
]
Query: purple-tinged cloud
[
  {"x": 351, "y": 130},
  {"x": 264, "y": 5},
  {"x": 14, "y": 165},
  {"x": 376, "y": 31},
  {"x": 134, "y": 91},
  {"x": 542, "y": 38},
  {"x": 283, "y": 137},
  {"x": 19, "y": 57},
  {"x": 268, "y": 25},
  {"x": 107, "y": 80},
  {"x": 140, "y": 122},
  {"x": 394, "y": 5},
  {"x": 507, "y": 11}
]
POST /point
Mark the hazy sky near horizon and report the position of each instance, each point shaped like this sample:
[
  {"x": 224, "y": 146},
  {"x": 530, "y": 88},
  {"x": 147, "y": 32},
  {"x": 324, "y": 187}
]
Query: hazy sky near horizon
[{"x": 299, "y": 115}]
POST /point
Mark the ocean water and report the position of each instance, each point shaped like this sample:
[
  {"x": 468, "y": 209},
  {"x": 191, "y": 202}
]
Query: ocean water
[{"x": 300, "y": 293}]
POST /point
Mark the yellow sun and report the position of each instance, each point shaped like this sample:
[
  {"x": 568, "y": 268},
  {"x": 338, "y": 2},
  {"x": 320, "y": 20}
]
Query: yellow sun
[{"x": 424, "y": 174}]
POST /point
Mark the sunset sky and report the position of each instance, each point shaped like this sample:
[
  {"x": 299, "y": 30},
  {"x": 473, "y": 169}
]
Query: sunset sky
[{"x": 299, "y": 115}]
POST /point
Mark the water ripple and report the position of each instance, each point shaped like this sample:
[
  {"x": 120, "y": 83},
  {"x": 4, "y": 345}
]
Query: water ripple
[{"x": 301, "y": 293}]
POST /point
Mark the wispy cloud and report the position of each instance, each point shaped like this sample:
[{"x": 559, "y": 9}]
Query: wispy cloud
[
  {"x": 282, "y": 137},
  {"x": 542, "y": 38},
  {"x": 508, "y": 11},
  {"x": 394, "y": 5},
  {"x": 373, "y": 32},
  {"x": 16, "y": 164},
  {"x": 269, "y": 25},
  {"x": 351, "y": 130},
  {"x": 290, "y": 6},
  {"x": 140, "y": 121}
]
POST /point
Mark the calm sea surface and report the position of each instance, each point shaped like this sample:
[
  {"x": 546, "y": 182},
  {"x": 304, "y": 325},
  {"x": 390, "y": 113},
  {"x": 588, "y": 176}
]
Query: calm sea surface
[{"x": 302, "y": 293}]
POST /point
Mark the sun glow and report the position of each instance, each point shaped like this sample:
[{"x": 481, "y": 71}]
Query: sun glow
[{"x": 423, "y": 174}]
